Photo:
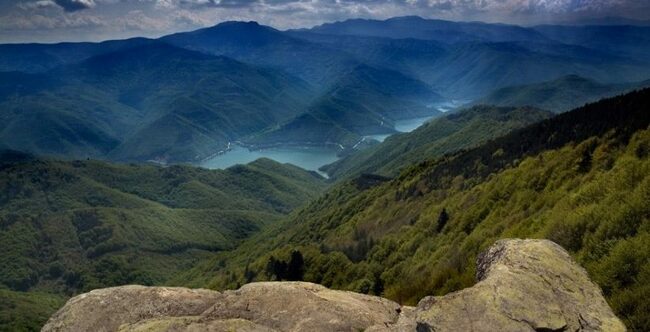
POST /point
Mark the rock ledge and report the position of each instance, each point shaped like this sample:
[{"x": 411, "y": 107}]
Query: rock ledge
[{"x": 523, "y": 285}]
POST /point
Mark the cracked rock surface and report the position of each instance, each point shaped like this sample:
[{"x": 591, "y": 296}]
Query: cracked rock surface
[{"x": 523, "y": 285}]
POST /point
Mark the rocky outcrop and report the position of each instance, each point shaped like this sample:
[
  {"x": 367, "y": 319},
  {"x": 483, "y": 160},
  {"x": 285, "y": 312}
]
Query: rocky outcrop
[
  {"x": 523, "y": 285},
  {"x": 261, "y": 306}
]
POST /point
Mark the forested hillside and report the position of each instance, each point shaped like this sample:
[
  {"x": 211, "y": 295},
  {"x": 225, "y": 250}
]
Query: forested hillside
[
  {"x": 155, "y": 102},
  {"x": 186, "y": 96},
  {"x": 535, "y": 153},
  {"x": 467, "y": 60},
  {"x": 364, "y": 101},
  {"x": 452, "y": 132},
  {"x": 580, "y": 179},
  {"x": 68, "y": 227}
]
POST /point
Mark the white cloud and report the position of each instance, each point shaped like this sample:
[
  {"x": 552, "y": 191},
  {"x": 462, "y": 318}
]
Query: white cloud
[{"x": 120, "y": 18}]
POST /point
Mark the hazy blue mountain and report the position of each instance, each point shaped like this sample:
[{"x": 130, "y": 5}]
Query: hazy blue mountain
[
  {"x": 142, "y": 99},
  {"x": 253, "y": 43},
  {"x": 46, "y": 115},
  {"x": 150, "y": 102},
  {"x": 609, "y": 20},
  {"x": 42, "y": 57},
  {"x": 484, "y": 56},
  {"x": 558, "y": 95},
  {"x": 633, "y": 41},
  {"x": 470, "y": 70},
  {"x": 428, "y": 29},
  {"x": 365, "y": 101},
  {"x": 409, "y": 56}
]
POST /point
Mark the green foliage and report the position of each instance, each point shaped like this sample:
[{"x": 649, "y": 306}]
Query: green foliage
[
  {"x": 600, "y": 213},
  {"x": 21, "y": 311},
  {"x": 69, "y": 227},
  {"x": 449, "y": 133}
]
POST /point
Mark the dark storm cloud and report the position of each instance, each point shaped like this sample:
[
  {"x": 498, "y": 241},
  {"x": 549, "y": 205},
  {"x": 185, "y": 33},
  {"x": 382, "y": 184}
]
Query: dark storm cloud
[
  {"x": 229, "y": 3},
  {"x": 75, "y": 5}
]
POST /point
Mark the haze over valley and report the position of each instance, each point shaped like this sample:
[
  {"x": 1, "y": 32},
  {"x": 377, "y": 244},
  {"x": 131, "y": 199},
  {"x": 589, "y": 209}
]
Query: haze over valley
[
  {"x": 187, "y": 96},
  {"x": 391, "y": 155}
]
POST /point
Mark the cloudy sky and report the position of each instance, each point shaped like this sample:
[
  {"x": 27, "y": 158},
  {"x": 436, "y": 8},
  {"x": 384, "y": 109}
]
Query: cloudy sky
[{"x": 81, "y": 20}]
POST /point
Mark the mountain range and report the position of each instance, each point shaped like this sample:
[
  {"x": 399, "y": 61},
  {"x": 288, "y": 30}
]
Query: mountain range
[
  {"x": 551, "y": 142},
  {"x": 186, "y": 96},
  {"x": 562, "y": 94}
]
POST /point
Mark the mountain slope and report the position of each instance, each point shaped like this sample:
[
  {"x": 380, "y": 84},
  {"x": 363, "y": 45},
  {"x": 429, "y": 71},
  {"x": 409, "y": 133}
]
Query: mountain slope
[
  {"x": 471, "y": 70},
  {"x": 74, "y": 226},
  {"x": 559, "y": 95},
  {"x": 408, "y": 56},
  {"x": 38, "y": 58},
  {"x": 46, "y": 115},
  {"x": 153, "y": 102},
  {"x": 364, "y": 101},
  {"x": 632, "y": 41},
  {"x": 447, "y": 134},
  {"x": 580, "y": 179},
  {"x": 466, "y": 60}
]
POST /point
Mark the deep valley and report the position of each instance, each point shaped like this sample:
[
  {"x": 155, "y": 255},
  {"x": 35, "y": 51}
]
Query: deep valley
[{"x": 362, "y": 166}]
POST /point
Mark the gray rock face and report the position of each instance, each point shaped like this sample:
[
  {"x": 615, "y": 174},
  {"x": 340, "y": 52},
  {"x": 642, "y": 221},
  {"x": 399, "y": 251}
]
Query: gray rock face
[
  {"x": 106, "y": 309},
  {"x": 524, "y": 285}
]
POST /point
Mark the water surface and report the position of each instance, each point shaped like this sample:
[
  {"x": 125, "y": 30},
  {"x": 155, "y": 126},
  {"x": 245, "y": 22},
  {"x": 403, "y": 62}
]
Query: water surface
[{"x": 310, "y": 158}]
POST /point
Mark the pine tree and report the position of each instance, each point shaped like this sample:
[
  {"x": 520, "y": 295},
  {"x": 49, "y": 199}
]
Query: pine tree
[
  {"x": 443, "y": 218},
  {"x": 296, "y": 268}
]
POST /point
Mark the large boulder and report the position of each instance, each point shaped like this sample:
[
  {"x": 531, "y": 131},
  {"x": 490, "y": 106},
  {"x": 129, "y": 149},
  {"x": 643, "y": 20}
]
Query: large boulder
[
  {"x": 261, "y": 306},
  {"x": 524, "y": 285},
  {"x": 107, "y": 309}
]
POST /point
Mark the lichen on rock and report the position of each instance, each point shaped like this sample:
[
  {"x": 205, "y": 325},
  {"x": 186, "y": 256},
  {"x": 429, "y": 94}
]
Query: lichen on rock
[{"x": 524, "y": 285}]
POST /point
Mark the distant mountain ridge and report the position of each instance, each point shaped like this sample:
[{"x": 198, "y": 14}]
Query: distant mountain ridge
[
  {"x": 430, "y": 29},
  {"x": 179, "y": 99},
  {"x": 150, "y": 102},
  {"x": 559, "y": 95},
  {"x": 262, "y": 45},
  {"x": 470, "y": 59}
]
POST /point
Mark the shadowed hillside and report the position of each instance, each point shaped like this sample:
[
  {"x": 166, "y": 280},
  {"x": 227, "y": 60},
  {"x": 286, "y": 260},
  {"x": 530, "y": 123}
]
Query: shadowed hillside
[
  {"x": 364, "y": 101},
  {"x": 154, "y": 102}
]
